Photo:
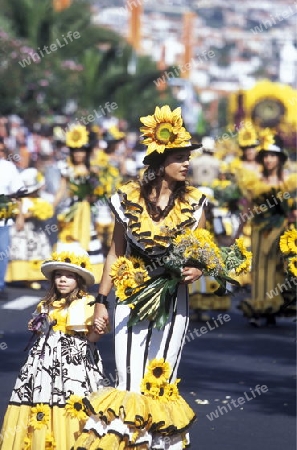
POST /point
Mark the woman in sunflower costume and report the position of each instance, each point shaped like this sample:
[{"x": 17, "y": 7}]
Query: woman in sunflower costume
[
  {"x": 45, "y": 409},
  {"x": 85, "y": 186},
  {"x": 244, "y": 168},
  {"x": 31, "y": 245},
  {"x": 271, "y": 208},
  {"x": 146, "y": 410}
]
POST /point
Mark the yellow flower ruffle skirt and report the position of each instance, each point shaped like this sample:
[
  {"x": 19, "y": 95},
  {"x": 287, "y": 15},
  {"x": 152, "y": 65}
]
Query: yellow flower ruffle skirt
[
  {"x": 122, "y": 419},
  {"x": 58, "y": 431}
]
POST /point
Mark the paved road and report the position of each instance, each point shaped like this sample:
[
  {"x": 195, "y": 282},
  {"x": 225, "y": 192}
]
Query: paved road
[{"x": 222, "y": 365}]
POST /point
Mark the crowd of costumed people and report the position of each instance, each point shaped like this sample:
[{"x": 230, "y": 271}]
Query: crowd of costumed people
[
  {"x": 69, "y": 174},
  {"x": 184, "y": 230}
]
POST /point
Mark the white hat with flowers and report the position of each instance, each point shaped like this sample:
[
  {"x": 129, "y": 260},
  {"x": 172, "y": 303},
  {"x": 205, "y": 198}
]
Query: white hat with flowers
[
  {"x": 72, "y": 258},
  {"x": 32, "y": 179},
  {"x": 164, "y": 131}
]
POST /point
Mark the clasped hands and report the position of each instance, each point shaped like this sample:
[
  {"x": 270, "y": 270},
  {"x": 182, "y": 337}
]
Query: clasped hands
[
  {"x": 190, "y": 274},
  {"x": 101, "y": 319}
]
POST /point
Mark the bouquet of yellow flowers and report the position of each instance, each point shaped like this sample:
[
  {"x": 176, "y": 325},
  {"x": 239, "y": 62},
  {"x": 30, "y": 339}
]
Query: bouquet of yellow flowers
[
  {"x": 41, "y": 209},
  {"x": 8, "y": 207},
  {"x": 150, "y": 297}
]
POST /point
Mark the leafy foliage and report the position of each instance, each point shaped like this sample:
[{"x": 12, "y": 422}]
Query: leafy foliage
[{"x": 95, "y": 68}]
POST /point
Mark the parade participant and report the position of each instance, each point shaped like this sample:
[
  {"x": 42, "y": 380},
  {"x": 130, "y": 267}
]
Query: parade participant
[
  {"x": 148, "y": 211},
  {"x": 248, "y": 143},
  {"x": 206, "y": 170},
  {"x": 31, "y": 245},
  {"x": 45, "y": 409},
  {"x": 247, "y": 166},
  {"x": 271, "y": 206},
  {"x": 79, "y": 181},
  {"x": 204, "y": 165},
  {"x": 115, "y": 147},
  {"x": 10, "y": 183}
]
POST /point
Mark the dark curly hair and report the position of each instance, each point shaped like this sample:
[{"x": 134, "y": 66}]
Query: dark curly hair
[{"x": 153, "y": 182}]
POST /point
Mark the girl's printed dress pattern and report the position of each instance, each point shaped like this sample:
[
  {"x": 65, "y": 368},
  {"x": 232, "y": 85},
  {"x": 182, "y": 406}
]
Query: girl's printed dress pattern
[
  {"x": 128, "y": 416},
  {"x": 45, "y": 410}
]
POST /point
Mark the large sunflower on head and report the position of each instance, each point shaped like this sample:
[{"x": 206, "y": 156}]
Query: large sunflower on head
[
  {"x": 164, "y": 129},
  {"x": 77, "y": 137},
  {"x": 247, "y": 136}
]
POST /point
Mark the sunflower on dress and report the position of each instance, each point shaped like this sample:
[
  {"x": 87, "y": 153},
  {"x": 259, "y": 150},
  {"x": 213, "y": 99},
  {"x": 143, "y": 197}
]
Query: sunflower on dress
[{"x": 46, "y": 409}]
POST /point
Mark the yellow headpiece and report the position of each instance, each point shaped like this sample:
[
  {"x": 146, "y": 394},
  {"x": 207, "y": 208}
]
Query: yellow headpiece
[
  {"x": 164, "y": 131},
  {"x": 247, "y": 137},
  {"x": 77, "y": 137}
]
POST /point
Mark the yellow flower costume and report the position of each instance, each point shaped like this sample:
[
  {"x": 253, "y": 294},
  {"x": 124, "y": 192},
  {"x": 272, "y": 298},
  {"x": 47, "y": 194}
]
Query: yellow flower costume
[
  {"x": 270, "y": 207},
  {"x": 31, "y": 245},
  {"x": 146, "y": 406},
  {"x": 85, "y": 217},
  {"x": 45, "y": 408}
]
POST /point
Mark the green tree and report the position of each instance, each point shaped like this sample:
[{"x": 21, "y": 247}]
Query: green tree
[{"x": 95, "y": 68}]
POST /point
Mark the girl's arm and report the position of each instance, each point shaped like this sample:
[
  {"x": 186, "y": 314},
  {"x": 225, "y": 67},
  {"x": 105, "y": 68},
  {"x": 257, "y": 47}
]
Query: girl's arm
[{"x": 117, "y": 248}]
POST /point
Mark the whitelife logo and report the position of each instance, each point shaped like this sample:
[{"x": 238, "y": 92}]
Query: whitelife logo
[{"x": 41, "y": 53}]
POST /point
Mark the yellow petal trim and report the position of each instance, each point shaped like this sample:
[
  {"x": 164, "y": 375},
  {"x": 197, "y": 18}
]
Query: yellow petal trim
[
  {"x": 176, "y": 413},
  {"x": 148, "y": 233}
]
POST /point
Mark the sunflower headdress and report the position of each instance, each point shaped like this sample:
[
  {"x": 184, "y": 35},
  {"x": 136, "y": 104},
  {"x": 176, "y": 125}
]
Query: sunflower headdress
[
  {"x": 164, "y": 131},
  {"x": 267, "y": 143},
  {"x": 247, "y": 137},
  {"x": 77, "y": 261},
  {"x": 77, "y": 137}
]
